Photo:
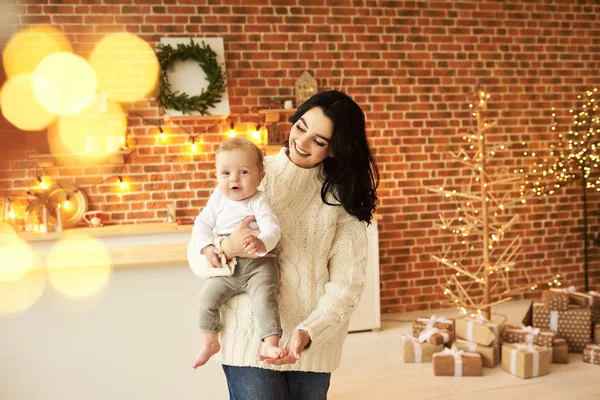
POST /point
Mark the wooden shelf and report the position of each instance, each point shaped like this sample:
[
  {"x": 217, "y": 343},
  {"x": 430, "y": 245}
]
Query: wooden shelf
[
  {"x": 276, "y": 110},
  {"x": 197, "y": 117},
  {"x": 273, "y": 114},
  {"x": 116, "y": 157}
]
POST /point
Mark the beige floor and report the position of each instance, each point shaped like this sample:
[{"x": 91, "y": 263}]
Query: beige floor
[{"x": 372, "y": 368}]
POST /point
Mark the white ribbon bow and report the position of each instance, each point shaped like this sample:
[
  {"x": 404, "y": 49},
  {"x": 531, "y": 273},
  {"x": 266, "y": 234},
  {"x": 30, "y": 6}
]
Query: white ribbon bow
[
  {"x": 531, "y": 333},
  {"x": 471, "y": 346},
  {"x": 530, "y": 349},
  {"x": 433, "y": 320},
  {"x": 570, "y": 289}
]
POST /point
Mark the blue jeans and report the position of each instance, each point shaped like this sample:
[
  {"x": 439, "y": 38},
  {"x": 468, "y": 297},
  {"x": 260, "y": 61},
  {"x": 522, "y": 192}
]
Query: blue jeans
[{"x": 249, "y": 383}]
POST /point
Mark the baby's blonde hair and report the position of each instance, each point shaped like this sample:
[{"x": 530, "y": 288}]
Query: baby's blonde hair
[{"x": 240, "y": 143}]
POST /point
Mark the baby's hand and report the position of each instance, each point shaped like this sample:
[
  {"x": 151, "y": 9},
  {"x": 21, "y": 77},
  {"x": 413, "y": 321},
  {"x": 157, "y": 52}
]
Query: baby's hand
[
  {"x": 253, "y": 245},
  {"x": 212, "y": 256}
]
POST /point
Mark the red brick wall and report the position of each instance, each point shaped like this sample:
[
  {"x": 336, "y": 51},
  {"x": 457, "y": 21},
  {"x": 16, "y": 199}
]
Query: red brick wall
[{"x": 413, "y": 67}]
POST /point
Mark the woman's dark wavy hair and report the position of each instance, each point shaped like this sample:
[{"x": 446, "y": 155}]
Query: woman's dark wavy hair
[{"x": 351, "y": 175}]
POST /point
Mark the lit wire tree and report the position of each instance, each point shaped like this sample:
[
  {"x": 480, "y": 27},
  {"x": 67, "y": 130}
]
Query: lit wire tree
[
  {"x": 478, "y": 260},
  {"x": 574, "y": 157}
]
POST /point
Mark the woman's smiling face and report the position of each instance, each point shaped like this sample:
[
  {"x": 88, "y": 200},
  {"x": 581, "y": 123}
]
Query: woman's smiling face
[{"x": 310, "y": 139}]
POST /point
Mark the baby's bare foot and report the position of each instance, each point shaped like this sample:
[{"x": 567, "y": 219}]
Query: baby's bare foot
[
  {"x": 207, "y": 351},
  {"x": 273, "y": 351}
]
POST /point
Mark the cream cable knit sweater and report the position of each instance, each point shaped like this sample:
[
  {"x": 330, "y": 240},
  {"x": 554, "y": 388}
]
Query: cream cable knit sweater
[{"x": 322, "y": 259}]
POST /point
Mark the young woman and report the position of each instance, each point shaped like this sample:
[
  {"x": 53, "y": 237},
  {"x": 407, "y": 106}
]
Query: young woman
[{"x": 322, "y": 186}]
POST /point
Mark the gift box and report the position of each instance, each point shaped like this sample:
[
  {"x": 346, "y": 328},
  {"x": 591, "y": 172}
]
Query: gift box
[
  {"x": 436, "y": 336},
  {"x": 454, "y": 362},
  {"x": 560, "y": 351},
  {"x": 424, "y": 323},
  {"x": 414, "y": 351},
  {"x": 585, "y": 300},
  {"x": 597, "y": 334},
  {"x": 555, "y": 300},
  {"x": 591, "y": 354},
  {"x": 525, "y": 360},
  {"x": 574, "y": 325},
  {"x": 528, "y": 334},
  {"x": 477, "y": 330},
  {"x": 489, "y": 354}
]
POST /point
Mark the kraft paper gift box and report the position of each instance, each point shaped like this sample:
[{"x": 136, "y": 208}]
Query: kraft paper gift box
[
  {"x": 590, "y": 300},
  {"x": 436, "y": 336},
  {"x": 597, "y": 334},
  {"x": 525, "y": 360},
  {"x": 489, "y": 354},
  {"x": 591, "y": 354},
  {"x": 424, "y": 323},
  {"x": 574, "y": 325},
  {"x": 528, "y": 334},
  {"x": 555, "y": 300},
  {"x": 454, "y": 362},
  {"x": 560, "y": 351},
  {"x": 477, "y": 330},
  {"x": 414, "y": 351}
]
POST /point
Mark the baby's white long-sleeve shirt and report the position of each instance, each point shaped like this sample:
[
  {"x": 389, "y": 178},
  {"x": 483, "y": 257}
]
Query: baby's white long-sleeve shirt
[{"x": 221, "y": 215}]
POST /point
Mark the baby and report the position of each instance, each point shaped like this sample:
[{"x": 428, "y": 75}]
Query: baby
[{"x": 239, "y": 165}]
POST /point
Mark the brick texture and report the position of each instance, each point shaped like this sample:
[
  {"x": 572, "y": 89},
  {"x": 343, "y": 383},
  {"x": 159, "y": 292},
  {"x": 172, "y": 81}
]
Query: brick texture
[{"x": 412, "y": 65}]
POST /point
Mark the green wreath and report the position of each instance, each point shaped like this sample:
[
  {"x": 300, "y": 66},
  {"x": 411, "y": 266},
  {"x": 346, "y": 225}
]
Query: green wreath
[{"x": 207, "y": 59}]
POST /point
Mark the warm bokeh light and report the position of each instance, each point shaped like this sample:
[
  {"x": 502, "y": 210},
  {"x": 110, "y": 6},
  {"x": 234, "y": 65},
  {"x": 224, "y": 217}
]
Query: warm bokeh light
[
  {"x": 79, "y": 266},
  {"x": 74, "y": 83},
  {"x": 16, "y": 297},
  {"x": 28, "y": 47},
  {"x": 126, "y": 67},
  {"x": 20, "y": 107},
  {"x": 93, "y": 134},
  {"x": 15, "y": 255}
]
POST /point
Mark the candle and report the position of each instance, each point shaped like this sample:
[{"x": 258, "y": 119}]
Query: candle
[
  {"x": 59, "y": 226},
  {"x": 44, "y": 227}
]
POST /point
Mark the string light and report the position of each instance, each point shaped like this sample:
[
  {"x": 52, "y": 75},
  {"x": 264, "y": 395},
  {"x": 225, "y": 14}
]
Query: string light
[
  {"x": 43, "y": 184},
  {"x": 194, "y": 148},
  {"x": 122, "y": 184},
  {"x": 67, "y": 202},
  {"x": 231, "y": 130},
  {"x": 162, "y": 134}
]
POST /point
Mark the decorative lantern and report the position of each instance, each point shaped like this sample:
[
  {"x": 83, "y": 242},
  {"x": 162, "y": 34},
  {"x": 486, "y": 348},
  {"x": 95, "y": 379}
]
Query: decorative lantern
[{"x": 306, "y": 86}]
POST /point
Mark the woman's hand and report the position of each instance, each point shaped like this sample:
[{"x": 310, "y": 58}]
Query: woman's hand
[
  {"x": 232, "y": 245},
  {"x": 298, "y": 341}
]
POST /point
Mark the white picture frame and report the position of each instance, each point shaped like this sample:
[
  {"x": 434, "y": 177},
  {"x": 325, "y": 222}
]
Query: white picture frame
[{"x": 188, "y": 77}]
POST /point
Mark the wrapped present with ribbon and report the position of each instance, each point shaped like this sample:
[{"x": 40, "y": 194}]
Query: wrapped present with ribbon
[
  {"x": 489, "y": 354},
  {"x": 555, "y": 300},
  {"x": 590, "y": 299},
  {"x": 574, "y": 325},
  {"x": 560, "y": 351},
  {"x": 454, "y": 362},
  {"x": 597, "y": 333},
  {"x": 424, "y": 323},
  {"x": 414, "y": 351},
  {"x": 478, "y": 330},
  {"x": 436, "y": 336},
  {"x": 526, "y": 360},
  {"x": 591, "y": 354},
  {"x": 528, "y": 334}
]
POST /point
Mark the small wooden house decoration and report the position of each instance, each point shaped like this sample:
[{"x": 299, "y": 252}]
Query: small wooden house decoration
[{"x": 306, "y": 86}]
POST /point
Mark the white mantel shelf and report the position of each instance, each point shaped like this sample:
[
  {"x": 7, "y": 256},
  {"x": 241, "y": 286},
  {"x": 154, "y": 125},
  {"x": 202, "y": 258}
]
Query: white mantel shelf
[
  {"x": 129, "y": 246},
  {"x": 152, "y": 228}
]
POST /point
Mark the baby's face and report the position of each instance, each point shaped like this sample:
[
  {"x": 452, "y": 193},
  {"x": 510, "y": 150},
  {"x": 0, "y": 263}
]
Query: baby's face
[{"x": 238, "y": 174}]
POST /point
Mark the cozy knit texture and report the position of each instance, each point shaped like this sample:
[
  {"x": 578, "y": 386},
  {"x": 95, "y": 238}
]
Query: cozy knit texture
[{"x": 323, "y": 256}]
